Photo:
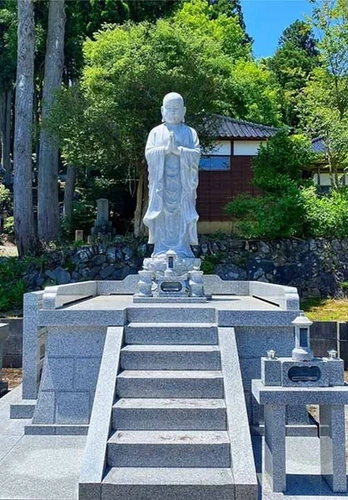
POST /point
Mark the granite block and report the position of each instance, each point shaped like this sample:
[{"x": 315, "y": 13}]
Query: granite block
[
  {"x": 169, "y": 333},
  {"x": 129, "y": 285},
  {"x": 285, "y": 297},
  {"x": 169, "y": 414},
  {"x": 250, "y": 369},
  {"x": 288, "y": 364},
  {"x": 170, "y": 384},
  {"x": 165, "y": 357},
  {"x": 58, "y": 296},
  {"x": 82, "y": 317},
  {"x": 93, "y": 464},
  {"x": 76, "y": 341},
  {"x": 238, "y": 426},
  {"x": 173, "y": 314},
  {"x": 275, "y": 446},
  {"x": 45, "y": 408},
  {"x": 86, "y": 373},
  {"x": 332, "y": 447},
  {"x": 256, "y": 318},
  {"x": 23, "y": 410},
  {"x": 336, "y": 371},
  {"x": 246, "y": 491},
  {"x": 90, "y": 491},
  {"x": 254, "y": 342},
  {"x": 214, "y": 285},
  {"x": 72, "y": 407},
  {"x": 39, "y": 430},
  {"x": 168, "y": 492},
  {"x": 31, "y": 303},
  {"x": 169, "y": 449},
  {"x": 71, "y": 430},
  {"x": 168, "y": 483},
  {"x": 58, "y": 374},
  {"x": 137, "y": 299},
  {"x": 271, "y": 371},
  {"x": 299, "y": 395}
]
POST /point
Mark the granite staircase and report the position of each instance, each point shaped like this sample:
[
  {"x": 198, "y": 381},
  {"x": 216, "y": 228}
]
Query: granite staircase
[{"x": 169, "y": 436}]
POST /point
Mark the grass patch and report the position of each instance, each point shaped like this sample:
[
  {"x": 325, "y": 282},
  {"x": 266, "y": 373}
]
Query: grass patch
[{"x": 326, "y": 309}]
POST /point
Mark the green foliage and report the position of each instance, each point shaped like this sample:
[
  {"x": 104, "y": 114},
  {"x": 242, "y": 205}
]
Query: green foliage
[
  {"x": 8, "y": 44},
  {"x": 279, "y": 162},
  {"x": 324, "y": 107},
  {"x": 12, "y": 286},
  {"x": 280, "y": 212},
  {"x": 9, "y": 226},
  {"x": 130, "y": 68},
  {"x": 5, "y": 196},
  {"x": 326, "y": 216},
  {"x": 209, "y": 262},
  {"x": 83, "y": 217},
  {"x": 291, "y": 65},
  {"x": 269, "y": 216}
]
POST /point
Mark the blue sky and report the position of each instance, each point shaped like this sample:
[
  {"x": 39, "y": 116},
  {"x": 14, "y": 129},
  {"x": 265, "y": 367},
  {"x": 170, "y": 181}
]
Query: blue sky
[{"x": 266, "y": 20}]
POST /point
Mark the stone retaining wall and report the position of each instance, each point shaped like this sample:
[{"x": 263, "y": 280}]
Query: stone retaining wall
[{"x": 316, "y": 267}]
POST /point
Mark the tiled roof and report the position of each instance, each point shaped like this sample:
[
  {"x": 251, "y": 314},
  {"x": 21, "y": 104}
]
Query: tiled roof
[
  {"x": 222, "y": 126},
  {"x": 318, "y": 145}
]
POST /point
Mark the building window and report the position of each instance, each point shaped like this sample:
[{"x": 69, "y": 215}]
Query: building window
[{"x": 214, "y": 162}]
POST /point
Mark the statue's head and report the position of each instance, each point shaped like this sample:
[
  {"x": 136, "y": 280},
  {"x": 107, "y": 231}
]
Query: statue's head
[{"x": 173, "y": 108}]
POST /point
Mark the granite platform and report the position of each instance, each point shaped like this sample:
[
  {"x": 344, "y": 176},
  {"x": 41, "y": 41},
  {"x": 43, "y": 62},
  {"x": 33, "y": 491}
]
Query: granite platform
[
  {"x": 47, "y": 467},
  {"x": 98, "y": 364}
]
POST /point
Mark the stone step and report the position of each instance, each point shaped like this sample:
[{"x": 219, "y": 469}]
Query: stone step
[
  {"x": 170, "y": 357},
  {"x": 169, "y": 414},
  {"x": 171, "y": 333},
  {"x": 169, "y": 449},
  {"x": 172, "y": 313},
  {"x": 168, "y": 483},
  {"x": 170, "y": 384}
]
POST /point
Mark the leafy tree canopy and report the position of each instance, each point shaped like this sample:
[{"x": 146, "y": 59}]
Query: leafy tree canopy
[
  {"x": 8, "y": 44},
  {"x": 324, "y": 107},
  {"x": 130, "y": 68},
  {"x": 293, "y": 62}
]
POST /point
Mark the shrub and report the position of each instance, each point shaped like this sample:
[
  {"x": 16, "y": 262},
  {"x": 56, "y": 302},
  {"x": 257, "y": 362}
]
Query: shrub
[
  {"x": 326, "y": 216},
  {"x": 268, "y": 216},
  {"x": 83, "y": 217}
]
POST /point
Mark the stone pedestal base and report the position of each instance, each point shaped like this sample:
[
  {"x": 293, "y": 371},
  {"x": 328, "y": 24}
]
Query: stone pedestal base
[{"x": 139, "y": 299}]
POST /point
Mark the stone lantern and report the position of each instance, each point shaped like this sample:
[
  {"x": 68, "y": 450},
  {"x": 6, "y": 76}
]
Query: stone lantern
[{"x": 302, "y": 350}]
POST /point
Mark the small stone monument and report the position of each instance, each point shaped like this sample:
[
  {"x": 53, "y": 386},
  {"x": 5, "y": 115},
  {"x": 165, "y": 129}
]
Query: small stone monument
[
  {"x": 102, "y": 226},
  {"x": 172, "y": 153},
  {"x": 303, "y": 379}
]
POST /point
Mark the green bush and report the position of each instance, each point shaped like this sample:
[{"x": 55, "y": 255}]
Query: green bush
[
  {"x": 12, "y": 286},
  {"x": 326, "y": 216},
  {"x": 5, "y": 196},
  {"x": 268, "y": 216},
  {"x": 83, "y": 217},
  {"x": 9, "y": 226}
]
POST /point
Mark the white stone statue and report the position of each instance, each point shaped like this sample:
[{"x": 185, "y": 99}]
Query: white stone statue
[{"x": 172, "y": 153}]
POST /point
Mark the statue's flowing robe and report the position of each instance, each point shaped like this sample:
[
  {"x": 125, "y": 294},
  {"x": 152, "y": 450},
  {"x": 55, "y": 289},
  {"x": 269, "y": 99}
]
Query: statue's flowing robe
[{"x": 171, "y": 215}]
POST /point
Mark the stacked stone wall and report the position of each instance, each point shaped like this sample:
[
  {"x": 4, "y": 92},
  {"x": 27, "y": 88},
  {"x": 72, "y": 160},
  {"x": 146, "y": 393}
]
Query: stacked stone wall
[{"x": 317, "y": 267}]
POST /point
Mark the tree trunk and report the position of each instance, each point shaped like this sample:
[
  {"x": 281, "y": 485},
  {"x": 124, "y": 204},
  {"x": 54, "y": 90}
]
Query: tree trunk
[
  {"x": 139, "y": 205},
  {"x": 7, "y": 140},
  {"x": 23, "y": 201},
  {"x": 69, "y": 192},
  {"x": 48, "y": 205}
]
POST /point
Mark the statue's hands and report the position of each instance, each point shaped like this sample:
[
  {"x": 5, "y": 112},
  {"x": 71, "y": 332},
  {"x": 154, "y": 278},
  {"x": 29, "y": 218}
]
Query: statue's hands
[{"x": 172, "y": 147}]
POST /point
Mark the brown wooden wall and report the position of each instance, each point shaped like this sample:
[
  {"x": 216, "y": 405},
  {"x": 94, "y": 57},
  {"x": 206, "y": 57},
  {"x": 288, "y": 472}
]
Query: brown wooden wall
[{"x": 216, "y": 188}]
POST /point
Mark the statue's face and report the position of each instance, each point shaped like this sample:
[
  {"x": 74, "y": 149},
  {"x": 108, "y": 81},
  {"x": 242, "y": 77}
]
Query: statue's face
[{"x": 173, "y": 110}]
